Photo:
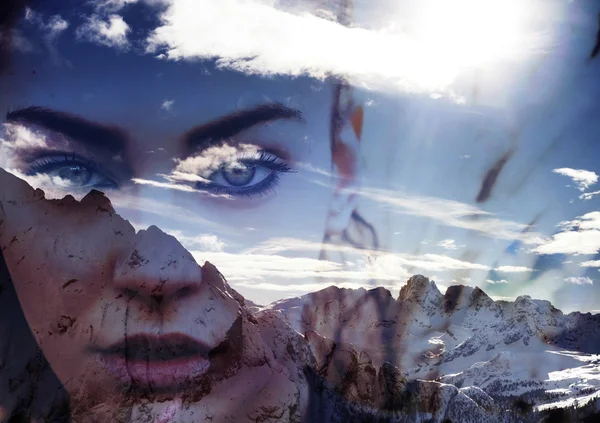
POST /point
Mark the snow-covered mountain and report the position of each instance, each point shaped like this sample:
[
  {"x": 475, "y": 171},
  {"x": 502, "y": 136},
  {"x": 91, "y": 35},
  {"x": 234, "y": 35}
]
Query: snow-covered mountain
[{"x": 525, "y": 351}]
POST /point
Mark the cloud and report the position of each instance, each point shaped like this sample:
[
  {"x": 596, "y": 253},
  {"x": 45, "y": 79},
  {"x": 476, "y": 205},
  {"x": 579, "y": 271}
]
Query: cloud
[
  {"x": 202, "y": 242},
  {"x": 449, "y": 244},
  {"x": 260, "y": 267},
  {"x": 496, "y": 282},
  {"x": 53, "y": 27},
  {"x": 20, "y": 137},
  {"x": 110, "y": 31},
  {"x": 452, "y": 213},
  {"x": 256, "y": 37},
  {"x": 214, "y": 158},
  {"x": 51, "y": 30},
  {"x": 167, "y": 185},
  {"x": 588, "y": 195},
  {"x": 583, "y": 179},
  {"x": 167, "y": 105},
  {"x": 176, "y": 180},
  {"x": 513, "y": 269},
  {"x": 581, "y": 280},
  {"x": 112, "y": 5},
  {"x": 146, "y": 204},
  {"x": 590, "y": 263},
  {"x": 54, "y": 187},
  {"x": 579, "y": 236},
  {"x": 386, "y": 263}
]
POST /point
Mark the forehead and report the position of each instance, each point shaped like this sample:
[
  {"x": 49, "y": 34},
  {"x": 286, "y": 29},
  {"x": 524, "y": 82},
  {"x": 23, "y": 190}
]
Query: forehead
[
  {"x": 61, "y": 69},
  {"x": 102, "y": 82}
]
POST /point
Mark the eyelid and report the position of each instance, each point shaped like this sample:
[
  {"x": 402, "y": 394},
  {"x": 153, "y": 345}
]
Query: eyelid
[
  {"x": 260, "y": 188},
  {"x": 68, "y": 158}
]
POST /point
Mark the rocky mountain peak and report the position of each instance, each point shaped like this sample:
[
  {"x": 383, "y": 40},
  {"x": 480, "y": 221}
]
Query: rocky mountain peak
[{"x": 418, "y": 289}]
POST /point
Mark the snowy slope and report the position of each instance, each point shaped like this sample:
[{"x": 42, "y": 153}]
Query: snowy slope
[{"x": 525, "y": 348}]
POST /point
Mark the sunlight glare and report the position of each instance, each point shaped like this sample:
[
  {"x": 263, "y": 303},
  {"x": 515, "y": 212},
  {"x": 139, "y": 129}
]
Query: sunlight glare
[{"x": 468, "y": 33}]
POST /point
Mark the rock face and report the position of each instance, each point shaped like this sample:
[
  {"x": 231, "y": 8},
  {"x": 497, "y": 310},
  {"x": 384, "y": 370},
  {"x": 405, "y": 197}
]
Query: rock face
[{"x": 493, "y": 352}]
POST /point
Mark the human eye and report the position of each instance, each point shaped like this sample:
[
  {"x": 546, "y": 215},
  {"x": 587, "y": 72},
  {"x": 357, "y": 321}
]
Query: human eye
[
  {"x": 71, "y": 171},
  {"x": 256, "y": 175}
]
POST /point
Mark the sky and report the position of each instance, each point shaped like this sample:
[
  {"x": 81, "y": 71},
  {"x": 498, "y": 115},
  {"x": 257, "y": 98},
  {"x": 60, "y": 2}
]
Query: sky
[{"x": 479, "y": 150}]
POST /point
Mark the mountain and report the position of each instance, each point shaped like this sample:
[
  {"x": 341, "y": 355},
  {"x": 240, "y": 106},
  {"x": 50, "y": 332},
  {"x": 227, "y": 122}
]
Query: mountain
[
  {"x": 522, "y": 352},
  {"x": 336, "y": 355}
]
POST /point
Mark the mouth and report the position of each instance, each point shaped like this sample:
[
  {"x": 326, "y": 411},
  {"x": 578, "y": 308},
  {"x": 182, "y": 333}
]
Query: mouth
[
  {"x": 171, "y": 363},
  {"x": 156, "y": 362}
]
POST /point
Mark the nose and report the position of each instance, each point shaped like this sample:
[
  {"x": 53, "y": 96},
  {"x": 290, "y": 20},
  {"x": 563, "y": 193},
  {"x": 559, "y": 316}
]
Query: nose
[{"x": 156, "y": 269}]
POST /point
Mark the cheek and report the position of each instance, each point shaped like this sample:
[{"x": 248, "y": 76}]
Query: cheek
[{"x": 60, "y": 262}]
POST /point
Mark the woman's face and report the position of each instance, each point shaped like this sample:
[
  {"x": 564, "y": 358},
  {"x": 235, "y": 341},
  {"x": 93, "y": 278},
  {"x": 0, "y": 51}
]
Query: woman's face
[{"x": 182, "y": 146}]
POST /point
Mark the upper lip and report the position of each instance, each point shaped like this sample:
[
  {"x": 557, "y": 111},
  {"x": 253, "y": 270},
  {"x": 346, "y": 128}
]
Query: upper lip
[{"x": 147, "y": 348}]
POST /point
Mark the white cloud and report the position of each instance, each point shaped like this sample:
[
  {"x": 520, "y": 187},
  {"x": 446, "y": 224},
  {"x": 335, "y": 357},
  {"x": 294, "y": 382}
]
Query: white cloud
[
  {"x": 581, "y": 280},
  {"x": 582, "y": 178},
  {"x": 54, "y": 187},
  {"x": 388, "y": 263},
  {"x": 512, "y": 269},
  {"x": 252, "y": 267},
  {"x": 502, "y": 298},
  {"x": 449, "y": 244},
  {"x": 167, "y": 185},
  {"x": 167, "y": 105},
  {"x": 176, "y": 181},
  {"x": 177, "y": 176},
  {"x": 202, "y": 242},
  {"x": 110, "y": 31},
  {"x": 112, "y": 5},
  {"x": 51, "y": 29},
  {"x": 579, "y": 236},
  {"x": 256, "y": 37},
  {"x": 54, "y": 26},
  {"x": 591, "y": 263},
  {"x": 492, "y": 282},
  {"x": 452, "y": 213},
  {"x": 589, "y": 195},
  {"x": 213, "y": 158},
  {"x": 20, "y": 137}
]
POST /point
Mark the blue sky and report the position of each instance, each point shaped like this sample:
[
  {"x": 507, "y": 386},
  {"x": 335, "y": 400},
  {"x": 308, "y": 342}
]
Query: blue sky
[{"x": 448, "y": 97}]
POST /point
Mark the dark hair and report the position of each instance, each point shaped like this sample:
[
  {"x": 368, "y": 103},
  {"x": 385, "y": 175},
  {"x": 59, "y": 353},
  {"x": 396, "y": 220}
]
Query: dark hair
[
  {"x": 9, "y": 15},
  {"x": 29, "y": 389}
]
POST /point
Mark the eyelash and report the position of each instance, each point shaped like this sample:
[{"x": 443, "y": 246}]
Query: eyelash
[
  {"x": 46, "y": 164},
  {"x": 264, "y": 187}
]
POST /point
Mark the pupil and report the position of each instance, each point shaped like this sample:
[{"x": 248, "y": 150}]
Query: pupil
[
  {"x": 239, "y": 175},
  {"x": 75, "y": 174}
]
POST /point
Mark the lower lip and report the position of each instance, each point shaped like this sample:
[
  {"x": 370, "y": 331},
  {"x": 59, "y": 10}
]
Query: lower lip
[{"x": 156, "y": 374}]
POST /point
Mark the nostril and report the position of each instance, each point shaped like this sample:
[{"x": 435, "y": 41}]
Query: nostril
[
  {"x": 158, "y": 299},
  {"x": 183, "y": 292},
  {"x": 130, "y": 293}
]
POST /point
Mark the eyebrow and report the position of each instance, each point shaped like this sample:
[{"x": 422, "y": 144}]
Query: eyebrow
[
  {"x": 114, "y": 139},
  {"x": 219, "y": 130},
  {"x": 75, "y": 127}
]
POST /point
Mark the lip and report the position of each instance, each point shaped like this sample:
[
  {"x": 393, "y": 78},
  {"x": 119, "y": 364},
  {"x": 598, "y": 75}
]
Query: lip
[{"x": 156, "y": 362}]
